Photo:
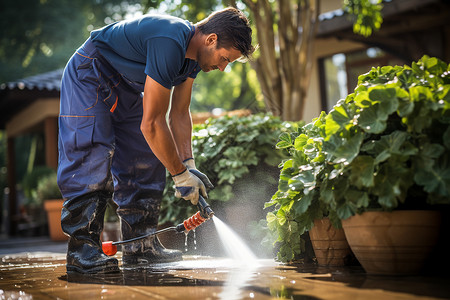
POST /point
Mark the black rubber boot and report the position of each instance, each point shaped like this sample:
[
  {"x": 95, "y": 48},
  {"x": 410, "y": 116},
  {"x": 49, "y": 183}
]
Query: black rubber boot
[
  {"x": 138, "y": 221},
  {"x": 82, "y": 219}
]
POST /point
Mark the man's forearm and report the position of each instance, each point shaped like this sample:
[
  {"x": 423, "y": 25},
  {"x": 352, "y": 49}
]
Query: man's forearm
[
  {"x": 181, "y": 128},
  {"x": 159, "y": 139},
  {"x": 155, "y": 129},
  {"x": 180, "y": 118}
]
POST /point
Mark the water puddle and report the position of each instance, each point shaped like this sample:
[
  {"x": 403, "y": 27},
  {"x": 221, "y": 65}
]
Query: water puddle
[
  {"x": 142, "y": 277},
  {"x": 239, "y": 275},
  {"x": 15, "y": 295}
]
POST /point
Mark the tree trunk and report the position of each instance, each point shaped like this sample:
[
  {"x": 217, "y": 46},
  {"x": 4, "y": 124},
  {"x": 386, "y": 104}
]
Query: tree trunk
[{"x": 285, "y": 61}]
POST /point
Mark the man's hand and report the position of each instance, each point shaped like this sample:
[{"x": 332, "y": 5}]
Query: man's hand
[
  {"x": 190, "y": 164},
  {"x": 188, "y": 185}
]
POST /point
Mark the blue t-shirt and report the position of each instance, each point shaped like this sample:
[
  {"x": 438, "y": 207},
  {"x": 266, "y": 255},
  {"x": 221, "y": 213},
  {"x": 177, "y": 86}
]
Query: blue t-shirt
[{"x": 152, "y": 45}]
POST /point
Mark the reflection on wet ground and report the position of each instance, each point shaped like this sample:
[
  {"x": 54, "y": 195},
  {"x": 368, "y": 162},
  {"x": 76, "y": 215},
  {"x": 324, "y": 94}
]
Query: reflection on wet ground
[{"x": 43, "y": 276}]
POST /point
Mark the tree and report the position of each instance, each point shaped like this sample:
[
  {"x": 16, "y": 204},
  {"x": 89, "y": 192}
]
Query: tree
[
  {"x": 285, "y": 30},
  {"x": 40, "y": 35},
  {"x": 231, "y": 90}
]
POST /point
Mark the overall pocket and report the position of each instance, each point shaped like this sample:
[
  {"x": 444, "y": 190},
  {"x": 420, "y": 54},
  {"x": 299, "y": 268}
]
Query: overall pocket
[
  {"x": 84, "y": 132},
  {"x": 95, "y": 84}
]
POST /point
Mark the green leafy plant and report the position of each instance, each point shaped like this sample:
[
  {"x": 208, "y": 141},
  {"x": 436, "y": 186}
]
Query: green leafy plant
[
  {"x": 31, "y": 182},
  {"x": 366, "y": 15},
  {"x": 386, "y": 146},
  {"x": 227, "y": 150},
  {"x": 47, "y": 188},
  {"x": 298, "y": 201}
]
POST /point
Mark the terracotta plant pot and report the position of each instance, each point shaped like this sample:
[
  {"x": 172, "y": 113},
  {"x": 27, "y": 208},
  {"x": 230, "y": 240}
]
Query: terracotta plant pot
[
  {"x": 393, "y": 243},
  {"x": 330, "y": 245},
  {"x": 53, "y": 208}
]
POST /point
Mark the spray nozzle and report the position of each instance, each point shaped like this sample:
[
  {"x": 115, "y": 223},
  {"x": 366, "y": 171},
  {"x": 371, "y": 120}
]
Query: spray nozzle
[{"x": 204, "y": 208}]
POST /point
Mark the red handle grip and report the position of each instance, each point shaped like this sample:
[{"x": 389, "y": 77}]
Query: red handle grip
[
  {"x": 193, "y": 221},
  {"x": 108, "y": 248}
]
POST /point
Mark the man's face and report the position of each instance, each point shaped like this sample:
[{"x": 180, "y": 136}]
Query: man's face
[{"x": 210, "y": 57}]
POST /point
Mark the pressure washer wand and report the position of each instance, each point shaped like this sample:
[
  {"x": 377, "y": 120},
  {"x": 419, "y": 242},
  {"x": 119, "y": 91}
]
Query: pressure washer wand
[{"x": 205, "y": 212}]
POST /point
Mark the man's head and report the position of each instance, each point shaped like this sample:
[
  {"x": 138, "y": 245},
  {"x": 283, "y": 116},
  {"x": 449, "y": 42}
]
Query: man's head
[{"x": 228, "y": 37}]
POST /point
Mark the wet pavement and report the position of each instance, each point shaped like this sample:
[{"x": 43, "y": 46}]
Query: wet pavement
[{"x": 42, "y": 275}]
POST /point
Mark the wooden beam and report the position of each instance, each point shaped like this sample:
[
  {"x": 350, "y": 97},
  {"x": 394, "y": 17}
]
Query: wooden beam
[
  {"x": 446, "y": 33},
  {"x": 32, "y": 116},
  {"x": 51, "y": 142},
  {"x": 12, "y": 194}
]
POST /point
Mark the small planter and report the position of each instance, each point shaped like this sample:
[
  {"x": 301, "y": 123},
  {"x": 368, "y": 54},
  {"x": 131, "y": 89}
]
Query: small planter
[
  {"x": 330, "y": 245},
  {"x": 393, "y": 243},
  {"x": 53, "y": 208}
]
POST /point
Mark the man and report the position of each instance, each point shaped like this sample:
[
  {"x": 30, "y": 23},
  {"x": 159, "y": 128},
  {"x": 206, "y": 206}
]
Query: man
[{"x": 114, "y": 140}]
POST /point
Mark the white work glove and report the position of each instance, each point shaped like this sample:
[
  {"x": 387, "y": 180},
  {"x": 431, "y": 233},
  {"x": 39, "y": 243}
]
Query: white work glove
[
  {"x": 190, "y": 164},
  {"x": 187, "y": 186}
]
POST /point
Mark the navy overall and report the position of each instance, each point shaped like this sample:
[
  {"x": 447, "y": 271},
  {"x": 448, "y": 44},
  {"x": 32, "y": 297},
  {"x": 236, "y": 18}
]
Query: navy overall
[
  {"x": 101, "y": 147},
  {"x": 103, "y": 154}
]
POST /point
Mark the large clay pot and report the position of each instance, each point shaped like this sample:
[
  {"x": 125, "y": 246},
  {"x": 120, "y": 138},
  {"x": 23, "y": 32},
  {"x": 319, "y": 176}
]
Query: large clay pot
[
  {"x": 330, "y": 245},
  {"x": 53, "y": 208},
  {"x": 393, "y": 243}
]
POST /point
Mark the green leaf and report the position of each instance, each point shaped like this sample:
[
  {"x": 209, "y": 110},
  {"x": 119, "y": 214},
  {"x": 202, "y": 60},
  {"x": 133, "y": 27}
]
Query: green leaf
[
  {"x": 302, "y": 205},
  {"x": 336, "y": 119},
  {"x": 281, "y": 217},
  {"x": 305, "y": 178},
  {"x": 349, "y": 150},
  {"x": 373, "y": 119},
  {"x": 394, "y": 143},
  {"x": 326, "y": 192},
  {"x": 434, "y": 65},
  {"x": 420, "y": 93},
  {"x": 285, "y": 141},
  {"x": 270, "y": 217},
  {"x": 388, "y": 185},
  {"x": 362, "y": 171},
  {"x": 358, "y": 199},
  {"x": 406, "y": 77},
  {"x": 387, "y": 98},
  {"x": 405, "y": 107},
  {"x": 435, "y": 179},
  {"x": 285, "y": 253},
  {"x": 362, "y": 99},
  {"x": 446, "y": 138},
  {"x": 381, "y": 94},
  {"x": 432, "y": 150},
  {"x": 345, "y": 211},
  {"x": 288, "y": 164},
  {"x": 300, "y": 142}
]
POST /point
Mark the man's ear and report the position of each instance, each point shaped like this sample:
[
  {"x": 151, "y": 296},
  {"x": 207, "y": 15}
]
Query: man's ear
[{"x": 211, "y": 39}]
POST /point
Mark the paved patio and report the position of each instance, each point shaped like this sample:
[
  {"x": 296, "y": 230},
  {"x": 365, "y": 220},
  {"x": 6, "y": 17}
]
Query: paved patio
[{"x": 35, "y": 269}]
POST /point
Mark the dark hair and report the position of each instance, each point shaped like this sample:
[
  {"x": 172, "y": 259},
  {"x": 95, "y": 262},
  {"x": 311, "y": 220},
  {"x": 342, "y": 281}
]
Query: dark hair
[{"x": 232, "y": 28}]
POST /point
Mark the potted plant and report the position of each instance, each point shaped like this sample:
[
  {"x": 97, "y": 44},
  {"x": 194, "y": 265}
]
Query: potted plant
[
  {"x": 299, "y": 204},
  {"x": 48, "y": 192},
  {"x": 32, "y": 212},
  {"x": 386, "y": 149},
  {"x": 389, "y": 142}
]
